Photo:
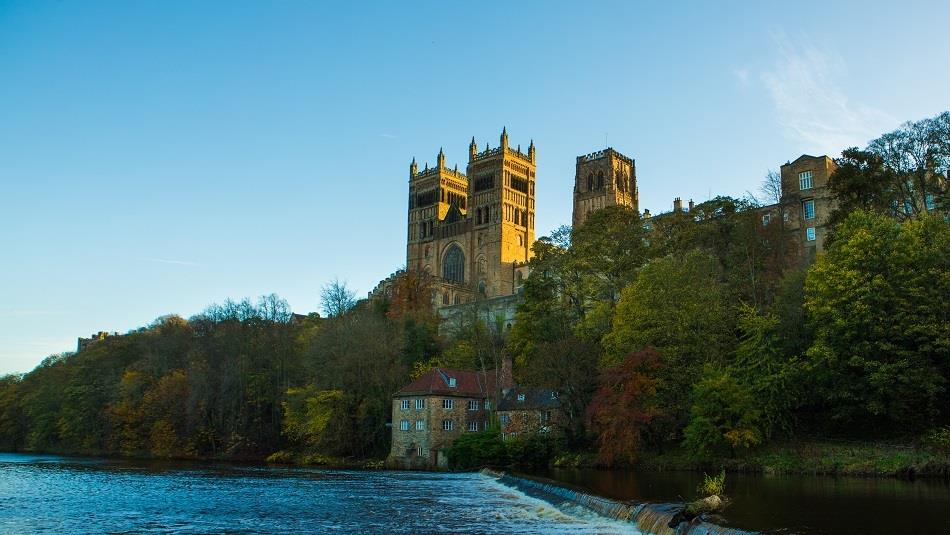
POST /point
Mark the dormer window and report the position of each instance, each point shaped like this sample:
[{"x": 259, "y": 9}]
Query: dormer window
[
  {"x": 520, "y": 397},
  {"x": 451, "y": 382}
]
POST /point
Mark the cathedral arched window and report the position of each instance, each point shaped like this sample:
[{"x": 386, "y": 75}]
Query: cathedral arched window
[
  {"x": 600, "y": 180},
  {"x": 445, "y": 298},
  {"x": 453, "y": 265},
  {"x": 481, "y": 288},
  {"x": 590, "y": 181}
]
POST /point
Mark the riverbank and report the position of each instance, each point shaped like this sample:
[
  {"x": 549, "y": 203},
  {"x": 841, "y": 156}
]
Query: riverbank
[{"x": 817, "y": 458}]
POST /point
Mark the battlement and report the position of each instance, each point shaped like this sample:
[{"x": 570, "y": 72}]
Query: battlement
[
  {"x": 432, "y": 171},
  {"x": 498, "y": 151},
  {"x": 603, "y": 154}
]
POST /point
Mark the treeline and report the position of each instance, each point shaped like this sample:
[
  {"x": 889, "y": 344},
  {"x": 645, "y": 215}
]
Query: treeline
[
  {"x": 217, "y": 385},
  {"x": 707, "y": 331}
]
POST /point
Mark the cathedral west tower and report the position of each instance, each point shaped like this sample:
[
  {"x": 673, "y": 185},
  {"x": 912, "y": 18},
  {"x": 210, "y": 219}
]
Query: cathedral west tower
[{"x": 473, "y": 232}]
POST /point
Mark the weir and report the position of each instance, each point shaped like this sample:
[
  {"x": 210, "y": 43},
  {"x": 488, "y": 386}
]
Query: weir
[{"x": 649, "y": 518}]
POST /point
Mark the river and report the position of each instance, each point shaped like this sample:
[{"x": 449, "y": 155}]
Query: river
[{"x": 50, "y": 494}]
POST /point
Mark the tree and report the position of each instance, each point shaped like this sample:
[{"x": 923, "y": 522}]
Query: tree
[
  {"x": 877, "y": 302},
  {"x": 336, "y": 298},
  {"x": 724, "y": 416},
  {"x": 624, "y": 405},
  {"x": 569, "y": 367},
  {"x": 901, "y": 173},
  {"x": 772, "y": 187}
]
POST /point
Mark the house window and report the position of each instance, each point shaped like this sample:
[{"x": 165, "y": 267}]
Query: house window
[
  {"x": 473, "y": 426},
  {"x": 520, "y": 397},
  {"x": 404, "y": 405},
  {"x": 422, "y": 452},
  {"x": 448, "y": 425},
  {"x": 451, "y": 382},
  {"x": 404, "y": 425},
  {"x": 908, "y": 208},
  {"x": 804, "y": 180},
  {"x": 420, "y": 425},
  {"x": 929, "y": 201},
  {"x": 473, "y": 405},
  {"x": 420, "y": 404},
  {"x": 785, "y": 216},
  {"x": 448, "y": 403},
  {"x": 810, "y": 233},
  {"x": 487, "y": 404},
  {"x": 808, "y": 209},
  {"x": 766, "y": 218},
  {"x": 505, "y": 419}
]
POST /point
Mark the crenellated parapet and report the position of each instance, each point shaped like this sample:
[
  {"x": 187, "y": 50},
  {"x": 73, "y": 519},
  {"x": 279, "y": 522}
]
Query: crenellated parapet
[{"x": 603, "y": 154}]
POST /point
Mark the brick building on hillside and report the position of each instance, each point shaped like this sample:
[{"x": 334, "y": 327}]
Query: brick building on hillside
[{"x": 527, "y": 411}]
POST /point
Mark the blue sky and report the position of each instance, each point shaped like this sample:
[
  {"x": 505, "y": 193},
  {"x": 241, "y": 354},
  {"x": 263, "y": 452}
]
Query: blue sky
[{"x": 159, "y": 156}]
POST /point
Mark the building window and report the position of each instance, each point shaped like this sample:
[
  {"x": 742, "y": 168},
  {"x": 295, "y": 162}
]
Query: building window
[
  {"x": 808, "y": 209},
  {"x": 810, "y": 233},
  {"x": 420, "y": 425},
  {"x": 473, "y": 426},
  {"x": 448, "y": 425},
  {"x": 445, "y": 298},
  {"x": 473, "y": 405},
  {"x": 785, "y": 216},
  {"x": 804, "y": 180},
  {"x": 422, "y": 452},
  {"x": 766, "y": 218},
  {"x": 452, "y": 382},
  {"x": 458, "y": 299},
  {"x": 520, "y": 397},
  {"x": 487, "y": 404},
  {"x": 908, "y": 208},
  {"x": 929, "y": 201},
  {"x": 404, "y": 405},
  {"x": 404, "y": 425},
  {"x": 590, "y": 181},
  {"x": 420, "y": 404},
  {"x": 504, "y": 419},
  {"x": 448, "y": 403},
  {"x": 453, "y": 265}
]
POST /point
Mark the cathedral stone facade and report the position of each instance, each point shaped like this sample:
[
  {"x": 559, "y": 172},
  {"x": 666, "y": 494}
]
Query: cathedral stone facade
[{"x": 473, "y": 231}]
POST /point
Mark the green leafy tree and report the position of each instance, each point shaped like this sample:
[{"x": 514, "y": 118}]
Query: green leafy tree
[
  {"x": 724, "y": 417},
  {"x": 877, "y": 302},
  {"x": 678, "y": 306}
]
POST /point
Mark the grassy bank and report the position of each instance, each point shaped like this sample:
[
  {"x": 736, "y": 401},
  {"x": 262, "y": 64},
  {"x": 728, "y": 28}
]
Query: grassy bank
[{"x": 815, "y": 457}]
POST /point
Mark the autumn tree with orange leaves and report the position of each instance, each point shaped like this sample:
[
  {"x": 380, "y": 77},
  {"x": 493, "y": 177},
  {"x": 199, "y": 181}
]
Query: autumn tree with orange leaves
[{"x": 624, "y": 404}]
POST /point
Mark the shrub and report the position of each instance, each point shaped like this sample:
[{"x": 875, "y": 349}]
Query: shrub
[{"x": 712, "y": 485}]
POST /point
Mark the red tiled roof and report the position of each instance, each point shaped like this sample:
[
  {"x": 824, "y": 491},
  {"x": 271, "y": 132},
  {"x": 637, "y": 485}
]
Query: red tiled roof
[{"x": 436, "y": 381}]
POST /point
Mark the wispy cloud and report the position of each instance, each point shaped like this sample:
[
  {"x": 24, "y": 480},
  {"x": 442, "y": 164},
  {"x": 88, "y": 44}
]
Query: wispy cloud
[
  {"x": 173, "y": 262},
  {"x": 812, "y": 107},
  {"x": 387, "y": 136}
]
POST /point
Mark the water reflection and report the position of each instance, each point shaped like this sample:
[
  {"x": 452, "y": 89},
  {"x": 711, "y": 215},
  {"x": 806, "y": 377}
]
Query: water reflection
[{"x": 812, "y": 505}]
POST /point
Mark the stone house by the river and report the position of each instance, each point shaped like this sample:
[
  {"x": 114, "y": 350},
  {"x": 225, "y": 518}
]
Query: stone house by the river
[{"x": 435, "y": 409}]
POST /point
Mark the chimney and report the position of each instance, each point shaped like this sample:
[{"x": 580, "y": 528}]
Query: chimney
[
  {"x": 677, "y": 205},
  {"x": 646, "y": 213},
  {"x": 507, "y": 379}
]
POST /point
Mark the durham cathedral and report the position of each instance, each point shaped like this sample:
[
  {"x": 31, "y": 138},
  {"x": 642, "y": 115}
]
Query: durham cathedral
[{"x": 473, "y": 231}]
